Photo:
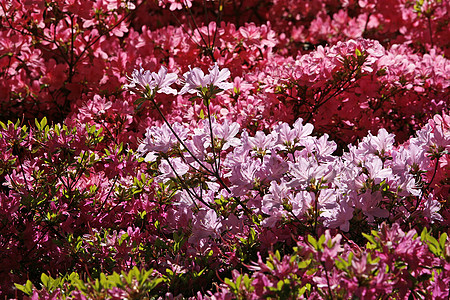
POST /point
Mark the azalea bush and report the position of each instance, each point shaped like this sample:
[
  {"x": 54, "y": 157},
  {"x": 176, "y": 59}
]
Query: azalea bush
[{"x": 224, "y": 149}]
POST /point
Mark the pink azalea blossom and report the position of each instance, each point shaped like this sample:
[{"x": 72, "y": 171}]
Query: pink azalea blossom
[
  {"x": 161, "y": 139},
  {"x": 142, "y": 81},
  {"x": 195, "y": 79},
  {"x": 163, "y": 80}
]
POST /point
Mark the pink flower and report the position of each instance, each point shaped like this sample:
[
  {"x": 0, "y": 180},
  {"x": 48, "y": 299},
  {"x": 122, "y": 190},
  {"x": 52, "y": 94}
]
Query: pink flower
[
  {"x": 380, "y": 144},
  {"x": 163, "y": 80},
  {"x": 142, "y": 81},
  {"x": 430, "y": 209},
  {"x": 217, "y": 77},
  {"x": 289, "y": 137},
  {"x": 307, "y": 170},
  {"x": 172, "y": 168},
  {"x": 376, "y": 170},
  {"x": 338, "y": 216},
  {"x": 369, "y": 203},
  {"x": 161, "y": 139},
  {"x": 225, "y": 132},
  {"x": 262, "y": 143},
  {"x": 206, "y": 224},
  {"x": 195, "y": 80},
  {"x": 175, "y": 4}
]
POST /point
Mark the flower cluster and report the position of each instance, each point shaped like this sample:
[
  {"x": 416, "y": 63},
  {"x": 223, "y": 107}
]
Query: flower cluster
[
  {"x": 224, "y": 149},
  {"x": 328, "y": 267},
  {"x": 289, "y": 176}
]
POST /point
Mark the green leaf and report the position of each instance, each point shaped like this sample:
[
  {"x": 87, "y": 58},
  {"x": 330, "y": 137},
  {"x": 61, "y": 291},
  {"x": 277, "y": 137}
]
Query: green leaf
[
  {"x": 322, "y": 241},
  {"x": 238, "y": 281},
  {"x": 442, "y": 240},
  {"x": 103, "y": 280},
  {"x": 278, "y": 255},
  {"x": 154, "y": 283},
  {"x": 434, "y": 245},
  {"x": 193, "y": 98},
  {"x": 27, "y": 288},
  {"x": 423, "y": 234},
  {"x": 304, "y": 264},
  {"x": 343, "y": 264},
  {"x": 280, "y": 285},
  {"x": 247, "y": 282},
  {"x": 114, "y": 279},
  {"x": 43, "y": 122},
  {"x": 73, "y": 276},
  {"x": 144, "y": 276},
  {"x": 312, "y": 241},
  {"x": 302, "y": 291},
  {"x": 231, "y": 284},
  {"x": 371, "y": 239},
  {"x": 45, "y": 280},
  {"x": 431, "y": 241}
]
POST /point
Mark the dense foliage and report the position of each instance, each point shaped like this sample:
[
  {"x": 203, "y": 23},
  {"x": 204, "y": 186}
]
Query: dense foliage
[{"x": 224, "y": 149}]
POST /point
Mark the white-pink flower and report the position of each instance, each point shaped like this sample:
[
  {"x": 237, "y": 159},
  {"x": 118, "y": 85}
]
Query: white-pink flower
[
  {"x": 162, "y": 81},
  {"x": 218, "y": 77},
  {"x": 143, "y": 80},
  {"x": 161, "y": 139},
  {"x": 139, "y": 80},
  {"x": 195, "y": 79}
]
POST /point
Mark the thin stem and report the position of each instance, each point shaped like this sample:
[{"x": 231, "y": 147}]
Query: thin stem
[
  {"x": 109, "y": 193},
  {"x": 216, "y": 166},
  {"x": 212, "y": 173},
  {"x": 367, "y": 23},
  {"x": 37, "y": 242},
  {"x": 425, "y": 189},
  {"x": 219, "y": 20},
  {"x": 34, "y": 35},
  {"x": 178, "y": 138},
  {"x": 316, "y": 211},
  {"x": 328, "y": 280},
  {"x": 108, "y": 31},
  {"x": 208, "y": 47},
  {"x": 338, "y": 89},
  {"x": 72, "y": 50},
  {"x": 207, "y": 22},
  {"x": 430, "y": 30},
  {"x": 23, "y": 173},
  {"x": 184, "y": 29},
  {"x": 192, "y": 194}
]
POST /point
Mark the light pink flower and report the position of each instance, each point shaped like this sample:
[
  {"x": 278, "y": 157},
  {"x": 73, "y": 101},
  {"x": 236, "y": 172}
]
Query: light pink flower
[
  {"x": 195, "y": 79},
  {"x": 142, "y": 81},
  {"x": 162, "y": 81},
  {"x": 218, "y": 77},
  {"x": 172, "y": 168},
  {"x": 161, "y": 139}
]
